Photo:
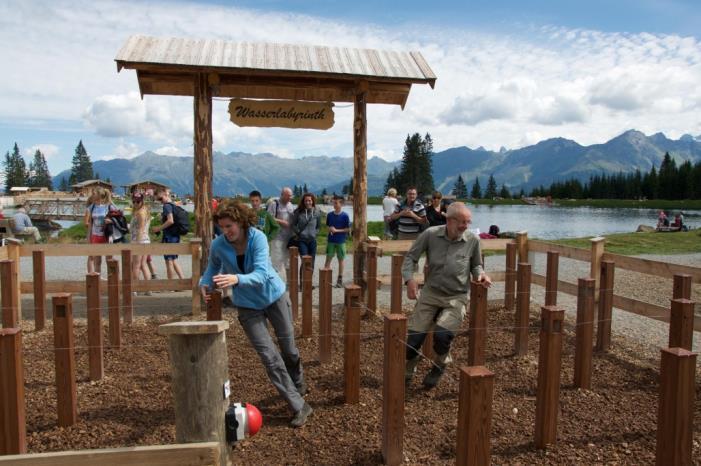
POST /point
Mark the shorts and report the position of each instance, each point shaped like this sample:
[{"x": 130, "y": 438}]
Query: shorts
[
  {"x": 434, "y": 307},
  {"x": 337, "y": 249},
  {"x": 171, "y": 240},
  {"x": 97, "y": 239}
]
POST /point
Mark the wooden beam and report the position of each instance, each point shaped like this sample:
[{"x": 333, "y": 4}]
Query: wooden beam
[
  {"x": 202, "y": 165},
  {"x": 650, "y": 267},
  {"x": 70, "y": 250},
  {"x": 579, "y": 254},
  {"x": 360, "y": 179},
  {"x": 76, "y": 286}
]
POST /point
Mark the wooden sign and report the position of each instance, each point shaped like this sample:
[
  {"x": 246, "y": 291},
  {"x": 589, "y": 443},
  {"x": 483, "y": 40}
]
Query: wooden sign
[{"x": 281, "y": 113}]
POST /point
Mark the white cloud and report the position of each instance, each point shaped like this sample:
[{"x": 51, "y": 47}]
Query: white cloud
[
  {"x": 173, "y": 151},
  {"x": 49, "y": 150},
  {"x": 124, "y": 150}
]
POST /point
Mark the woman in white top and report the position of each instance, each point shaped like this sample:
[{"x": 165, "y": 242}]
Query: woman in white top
[
  {"x": 389, "y": 204},
  {"x": 95, "y": 220},
  {"x": 140, "y": 221}
]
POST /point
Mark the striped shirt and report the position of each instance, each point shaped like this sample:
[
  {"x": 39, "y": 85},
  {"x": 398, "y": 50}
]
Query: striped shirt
[{"x": 408, "y": 225}]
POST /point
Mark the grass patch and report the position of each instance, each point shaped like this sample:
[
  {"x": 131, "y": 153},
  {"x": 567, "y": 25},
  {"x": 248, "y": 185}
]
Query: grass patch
[
  {"x": 693, "y": 204},
  {"x": 633, "y": 244}
]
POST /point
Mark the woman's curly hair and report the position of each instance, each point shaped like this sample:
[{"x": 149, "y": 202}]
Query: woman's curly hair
[{"x": 237, "y": 211}]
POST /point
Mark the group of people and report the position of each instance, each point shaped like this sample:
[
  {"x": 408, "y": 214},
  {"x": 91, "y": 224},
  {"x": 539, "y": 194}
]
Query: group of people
[
  {"x": 663, "y": 221},
  {"x": 406, "y": 220}
]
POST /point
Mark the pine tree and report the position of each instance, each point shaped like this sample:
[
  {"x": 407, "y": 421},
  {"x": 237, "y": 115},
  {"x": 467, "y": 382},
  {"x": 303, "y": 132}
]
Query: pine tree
[
  {"x": 41, "y": 178},
  {"x": 491, "y": 191},
  {"x": 476, "y": 192},
  {"x": 668, "y": 178},
  {"x": 97, "y": 175},
  {"x": 417, "y": 165},
  {"x": 81, "y": 166},
  {"x": 460, "y": 189},
  {"x": 504, "y": 192},
  {"x": 305, "y": 189},
  {"x": 15, "y": 169}
]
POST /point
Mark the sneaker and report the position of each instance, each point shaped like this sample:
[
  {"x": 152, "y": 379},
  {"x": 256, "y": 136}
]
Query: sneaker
[
  {"x": 339, "y": 284},
  {"x": 432, "y": 378},
  {"x": 154, "y": 276},
  {"x": 302, "y": 388},
  {"x": 301, "y": 416}
]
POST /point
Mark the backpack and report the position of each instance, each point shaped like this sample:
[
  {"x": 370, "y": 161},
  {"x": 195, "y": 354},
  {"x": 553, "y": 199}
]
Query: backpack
[{"x": 181, "y": 221}]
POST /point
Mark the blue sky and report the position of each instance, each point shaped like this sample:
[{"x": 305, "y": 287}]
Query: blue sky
[{"x": 509, "y": 73}]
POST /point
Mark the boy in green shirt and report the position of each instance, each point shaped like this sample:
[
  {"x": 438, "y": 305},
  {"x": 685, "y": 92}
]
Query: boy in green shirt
[{"x": 266, "y": 222}]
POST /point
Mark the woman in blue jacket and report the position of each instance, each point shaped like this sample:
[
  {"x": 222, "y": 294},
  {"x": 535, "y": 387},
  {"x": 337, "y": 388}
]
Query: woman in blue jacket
[{"x": 239, "y": 259}]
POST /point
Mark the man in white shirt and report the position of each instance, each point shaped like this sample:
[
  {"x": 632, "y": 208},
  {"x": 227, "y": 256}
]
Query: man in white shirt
[{"x": 281, "y": 210}]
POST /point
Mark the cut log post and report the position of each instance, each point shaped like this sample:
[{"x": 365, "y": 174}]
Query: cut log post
[
  {"x": 200, "y": 381},
  {"x": 523, "y": 304},
  {"x": 325, "y": 330},
  {"x": 13, "y": 254},
  {"x": 10, "y": 317},
  {"x": 293, "y": 281},
  {"x": 682, "y": 286},
  {"x": 360, "y": 178},
  {"x": 522, "y": 246},
  {"x": 113, "y": 303},
  {"x": 681, "y": 324},
  {"x": 39, "y": 277},
  {"x": 393, "y": 389},
  {"x": 13, "y": 434},
  {"x": 585, "y": 333},
  {"x": 551, "y": 273},
  {"x": 605, "y": 294},
  {"x": 127, "y": 299},
  {"x": 675, "y": 414},
  {"x": 351, "y": 340},
  {"x": 307, "y": 318},
  {"x": 474, "y": 416},
  {"x": 371, "y": 264},
  {"x": 396, "y": 293},
  {"x": 202, "y": 162},
  {"x": 64, "y": 350},
  {"x": 214, "y": 306},
  {"x": 596, "y": 255},
  {"x": 549, "y": 365},
  {"x": 477, "y": 332},
  {"x": 95, "y": 350},
  {"x": 196, "y": 253},
  {"x": 510, "y": 277}
]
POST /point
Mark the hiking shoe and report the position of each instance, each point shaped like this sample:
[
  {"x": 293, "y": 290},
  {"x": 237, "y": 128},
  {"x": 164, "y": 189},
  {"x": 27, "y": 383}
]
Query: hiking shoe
[
  {"x": 227, "y": 302},
  {"x": 432, "y": 378},
  {"x": 302, "y": 388},
  {"x": 301, "y": 416},
  {"x": 339, "y": 284}
]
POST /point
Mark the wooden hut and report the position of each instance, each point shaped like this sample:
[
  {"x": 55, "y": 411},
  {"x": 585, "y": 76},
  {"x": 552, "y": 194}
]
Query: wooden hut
[
  {"x": 85, "y": 188},
  {"x": 146, "y": 187}
]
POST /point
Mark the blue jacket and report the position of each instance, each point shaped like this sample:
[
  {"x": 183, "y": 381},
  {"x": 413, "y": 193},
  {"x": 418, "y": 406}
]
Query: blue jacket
[{"x": 259, "y": 284}]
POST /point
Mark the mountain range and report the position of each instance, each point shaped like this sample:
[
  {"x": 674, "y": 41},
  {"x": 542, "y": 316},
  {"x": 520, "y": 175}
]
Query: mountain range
[{"x": 527, "y": 167}]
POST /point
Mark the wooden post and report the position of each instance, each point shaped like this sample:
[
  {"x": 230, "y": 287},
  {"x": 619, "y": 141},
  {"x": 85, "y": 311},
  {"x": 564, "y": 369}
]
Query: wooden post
[
  {"x": 12, "y": 409},
  {"x": 13, "y": 254},
  {"x": 214, "y": 306},
  {"x": 681, "y": 324},
  {"x": 200, "y": 379},
  {"x": 522, "y": 246},
  {"x": 196, "y": 254},
  {"x": 307, "y": 318},
  {"x": 682, "y": 286},
  {"x": 351, "y": 341},
  {"x": 393, "y": 389},
  {"x": 325, "y": 342},
  {"x": 597, "y": 252},
  {"x": 523, "y": 304},
  {"x": 551, "y": 274},
  {"x": 127, "y": 301},
  {"x": 585, "y": 333},
  {"x": 360, "y": 179},
  {"x": 10, "y": 317},
  {"x": 510, "y": 277},
  {"x": 202, "y": 166},
  {"x": 113, "y": 303},
  {"x": 675, "y": 413},
  {"x": 603, "y": 333},
  {"x": 293, "y": 281},
  {"x": 474, "y": 416},
  {"x": 39, "y": 277},
  {"x": 95, "y": 351},
  {"x": 372, "y": 277},
  {"x": 396, "y": 294},
  {"x": 549, "y": 365},
  {"x": 64, "y": 351},
  {"x": 477, "y": 331}
]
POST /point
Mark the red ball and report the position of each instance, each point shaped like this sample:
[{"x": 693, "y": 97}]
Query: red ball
[{"x": 255, "y": 419}]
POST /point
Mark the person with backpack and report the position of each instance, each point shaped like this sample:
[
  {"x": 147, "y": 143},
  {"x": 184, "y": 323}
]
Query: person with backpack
[
  {"x": 171, "y": 230},
  {"x": 305, "y": 225},
  {"x": 96, "y": 218}
]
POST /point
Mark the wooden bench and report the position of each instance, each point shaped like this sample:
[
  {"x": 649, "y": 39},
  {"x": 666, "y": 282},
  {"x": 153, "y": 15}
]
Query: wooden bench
[{"x": 7, "y": 230}]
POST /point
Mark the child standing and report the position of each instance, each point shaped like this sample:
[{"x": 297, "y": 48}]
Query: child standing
[{"x": 339, "y": 227}]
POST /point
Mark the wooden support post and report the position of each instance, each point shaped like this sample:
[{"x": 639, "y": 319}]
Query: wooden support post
[
  {"x": 477, "y": 332},
  {"x": 196, "y": 254},
  {"x": 307, "y": 318},
  {"x": 393, "y": 389},
  {"x": 523, "y": 304},
  {"x": 474, "y": 416},
  {"x": 597, "y": 252},
  {"x": 360, "y": 179},
  {"x": 603, "y": 332},
  {"x": 371, "y": 264},
  {"x": 64, "y": 350},
  {"x": 675, "y": 413},
  {"x": 682, "y": 286},
  {"x": 396, "y": 293},
  {"x": 681, "y": 324},
  {"x": 200, "y": 378},
  {"x": 551, "y": 274},
  {"x": 325, "y": 341},
  {"x": 522, "y": 246},
  {"x": 95, "y": 351},
  {"x": 13, "y": 254},
  {"x": 585, "y": 333},
  {"x": 127, "y": 301},
  {"x": 202, "y": 165},
  {"x": 12, "y": 409},
  {"x": 214, "y": 306},
  {"x": 113, "y": 303},
  {"x": 549, "y": 365},
  {"x": 351, "y": 341},
  {"x": 39, "y": 277},
  {"x": 510, "y": 277},
  {"x": 427, "y": 347},
  {"x": 10, "y": 318},
  {"x": 293, "y": 281}
]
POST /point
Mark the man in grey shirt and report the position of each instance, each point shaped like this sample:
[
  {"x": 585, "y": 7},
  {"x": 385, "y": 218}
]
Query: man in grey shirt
[
  {"x": 23, "y": 224},
  {"x": 453, "y": 255}
]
